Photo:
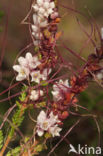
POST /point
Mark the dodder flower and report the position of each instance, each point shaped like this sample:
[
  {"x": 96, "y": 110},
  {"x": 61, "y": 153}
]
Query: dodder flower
[
  {"x": 59, "y": 88},
  {"x": 25, "y": 66},
  {"x": 23, "y": 73},
  {"x": 37, "y": 76},
  {"x": 44, "y": 8},
  {"x": 48, "y": 123}
]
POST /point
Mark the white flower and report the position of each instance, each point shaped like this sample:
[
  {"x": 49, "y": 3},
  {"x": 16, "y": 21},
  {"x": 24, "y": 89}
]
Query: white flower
[
  {"x": 35, "y": 7},
  {"x": 42, "y": 123},
  {"x": 23, "y": 67},
  {"x": 36, "y": 76},
  {"x": 26, "y": 64},
  {"x": 29, "y": 61},
  {"x": 35, "y": 62},
  {"x": 47, "y": 123},
  {"x": 55, "y": 131},
  {"x": 38, "y": 21},
  {"x": 41, "y": 10},
  {"x": 53, "y": 119},
  {"x": 35, "y": 28},
  {"x": 35, "y": 94},
  {"x": 44, "y": 8},
  {"x": 46, "y": 5},
  {"x": 22, "y": 72},
  {"x": 58, "y": 88},
  {"x": 40, "y": 2}
]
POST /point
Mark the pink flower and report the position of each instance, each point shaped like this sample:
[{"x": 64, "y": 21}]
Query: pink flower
[
  {"x": 26, "y": 64},
  {"x": 37, "y": 76},
  {"x": 59, "y": 88},
  {"x": 48, "y": 123}
]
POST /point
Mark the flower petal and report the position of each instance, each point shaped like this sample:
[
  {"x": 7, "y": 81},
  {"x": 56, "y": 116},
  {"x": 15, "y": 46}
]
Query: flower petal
[{"x": 17, "y": 68}]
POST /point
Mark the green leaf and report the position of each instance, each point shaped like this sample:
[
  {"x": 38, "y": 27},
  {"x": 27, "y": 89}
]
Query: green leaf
[
  {"x": 23, "y": 94},
  {"x": 17, "y": 118},
  {"x": 14, "y": 152}
]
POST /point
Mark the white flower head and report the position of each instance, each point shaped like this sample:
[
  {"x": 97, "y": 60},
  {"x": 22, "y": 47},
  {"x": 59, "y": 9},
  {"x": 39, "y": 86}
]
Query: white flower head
[
  {"x": 53, "y": 119},
  {"x": 23, "y": 67},
  {"x": 42, "y": 123},
  {"x": 58, "y": 88},
  {"x": 47, "y": 123},
  {"x": 24, "y": 61},
  {"x": 39, "y": 22},
  {"x": 44, "y": 8},
  {"x": 35, "y": 28},
  {"x": 35, "y": 94},
  {"x": 22, "y": 72},
  {"x": 35, "y": 7},
  {"x": 40, "y": 2},
  {"x": 55, "y": 131},
  {"x": 36, "y": 76},
  {"x": 30, "y": 62},
  {"x": 26, "y": 64}
]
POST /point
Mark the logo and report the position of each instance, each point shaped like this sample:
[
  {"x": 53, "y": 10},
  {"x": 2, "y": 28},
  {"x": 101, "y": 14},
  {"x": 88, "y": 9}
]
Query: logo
[{"x": 85, "y": 150}]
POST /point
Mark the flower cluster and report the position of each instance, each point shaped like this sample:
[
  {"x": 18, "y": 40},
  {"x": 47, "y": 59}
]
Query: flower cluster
[
  {"x": 59, "y": 89},
  {"x": 34, "y": 69},
  {"x": 42, "y": 10},
  {"x": 28, "y": 66},
  {"x": 48, "y": 124}
]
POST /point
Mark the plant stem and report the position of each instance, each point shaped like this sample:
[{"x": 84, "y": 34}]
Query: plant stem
[{"x": 5, "y": 146}]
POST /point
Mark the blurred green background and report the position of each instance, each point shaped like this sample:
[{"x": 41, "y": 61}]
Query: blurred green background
[{"x": 18, "y": 37}]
